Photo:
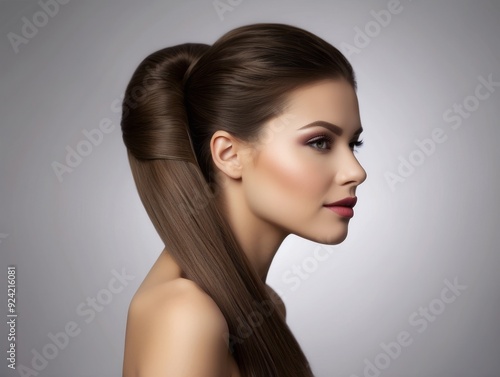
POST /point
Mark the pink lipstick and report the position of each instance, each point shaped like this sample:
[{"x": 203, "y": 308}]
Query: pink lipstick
[{"x": 343, "y": 207}]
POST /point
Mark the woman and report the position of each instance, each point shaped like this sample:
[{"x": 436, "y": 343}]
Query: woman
[{"x": 233, "y": 147}]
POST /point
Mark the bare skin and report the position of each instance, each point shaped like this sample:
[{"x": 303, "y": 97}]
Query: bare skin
[{"x": 275, "y": 188}]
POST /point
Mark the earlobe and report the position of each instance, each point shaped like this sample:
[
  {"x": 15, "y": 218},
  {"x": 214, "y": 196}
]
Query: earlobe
[{"x": 224, "y": 148}]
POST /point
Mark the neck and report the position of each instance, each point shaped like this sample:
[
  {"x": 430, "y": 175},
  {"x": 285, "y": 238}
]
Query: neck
[{"x": 258, "y": 239}]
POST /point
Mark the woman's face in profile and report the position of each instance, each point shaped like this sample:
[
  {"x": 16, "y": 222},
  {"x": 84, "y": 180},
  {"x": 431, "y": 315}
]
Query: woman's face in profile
[{"x": 296, "y": 169}]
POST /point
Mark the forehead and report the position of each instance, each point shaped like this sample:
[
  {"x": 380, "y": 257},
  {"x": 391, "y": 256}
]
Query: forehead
[{"x": 330, "y": 100}]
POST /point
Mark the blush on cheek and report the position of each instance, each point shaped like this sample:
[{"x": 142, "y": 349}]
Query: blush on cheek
[{"x": 293, "y": 178}]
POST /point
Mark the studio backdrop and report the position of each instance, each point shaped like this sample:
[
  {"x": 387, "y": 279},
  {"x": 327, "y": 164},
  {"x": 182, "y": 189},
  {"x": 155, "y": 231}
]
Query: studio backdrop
[{"x": 414, "y": 288}]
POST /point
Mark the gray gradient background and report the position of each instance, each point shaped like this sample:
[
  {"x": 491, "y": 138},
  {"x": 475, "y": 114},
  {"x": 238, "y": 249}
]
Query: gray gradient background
[{"x": 441, "y": 223}]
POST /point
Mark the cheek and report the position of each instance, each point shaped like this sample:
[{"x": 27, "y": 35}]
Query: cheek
[{"x": 289, "y": 179}]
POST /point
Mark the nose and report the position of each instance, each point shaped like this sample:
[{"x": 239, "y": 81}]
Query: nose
[{"x": 350, "y": 171}]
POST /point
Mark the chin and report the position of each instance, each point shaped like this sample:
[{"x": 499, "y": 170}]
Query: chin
[
  {"x": 327, "y": 238},
  {"x": 334, "y": 240}
]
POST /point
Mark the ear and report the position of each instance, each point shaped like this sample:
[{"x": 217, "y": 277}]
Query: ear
[{"x": 227, "y": 153}]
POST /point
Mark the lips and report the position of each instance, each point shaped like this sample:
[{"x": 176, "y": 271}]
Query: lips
[
  {"x": 346, "y": 202},
  {"x": 343, "y": 207}
]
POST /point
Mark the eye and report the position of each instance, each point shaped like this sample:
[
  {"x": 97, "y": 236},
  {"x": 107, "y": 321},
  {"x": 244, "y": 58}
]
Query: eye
[
  {"x": 356, "y": 144},
  {"x": 324, "y": 141}
]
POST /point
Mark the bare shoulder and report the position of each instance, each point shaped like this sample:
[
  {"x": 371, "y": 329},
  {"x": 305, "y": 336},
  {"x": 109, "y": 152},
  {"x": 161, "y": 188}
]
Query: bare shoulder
[{"x": 175, "y": 329}]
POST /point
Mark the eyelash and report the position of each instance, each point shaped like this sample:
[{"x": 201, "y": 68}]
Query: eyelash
[{"x": 327, "y": 138}]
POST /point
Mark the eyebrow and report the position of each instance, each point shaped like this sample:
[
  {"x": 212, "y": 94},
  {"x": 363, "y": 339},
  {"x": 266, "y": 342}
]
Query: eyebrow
[{"x": 330, "y": 126}]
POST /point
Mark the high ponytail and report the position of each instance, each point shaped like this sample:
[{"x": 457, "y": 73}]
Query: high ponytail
[{"x": 176, "y": 99}]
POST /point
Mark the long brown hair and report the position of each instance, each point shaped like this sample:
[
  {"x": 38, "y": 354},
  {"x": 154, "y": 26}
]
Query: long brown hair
[{"x": 176, "y": 99}]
